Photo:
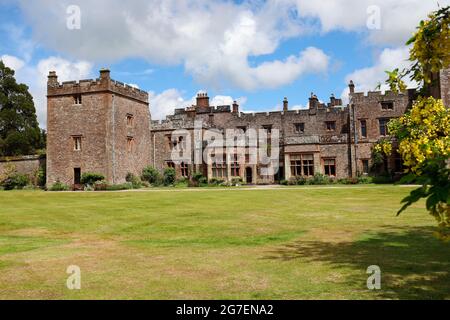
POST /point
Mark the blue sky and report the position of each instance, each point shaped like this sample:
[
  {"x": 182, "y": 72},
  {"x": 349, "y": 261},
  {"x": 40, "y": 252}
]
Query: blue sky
[{"x": 256, "y": 52}]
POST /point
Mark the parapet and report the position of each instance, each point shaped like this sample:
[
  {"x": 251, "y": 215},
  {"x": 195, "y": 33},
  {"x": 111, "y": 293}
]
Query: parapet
[{"x": 102, "y": 84}]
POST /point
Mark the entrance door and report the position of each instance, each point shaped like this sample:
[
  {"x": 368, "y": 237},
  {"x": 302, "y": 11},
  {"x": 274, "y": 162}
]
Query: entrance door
[
  {"x": 249, "y": 175},
  {"x": 77, "y": 176}
]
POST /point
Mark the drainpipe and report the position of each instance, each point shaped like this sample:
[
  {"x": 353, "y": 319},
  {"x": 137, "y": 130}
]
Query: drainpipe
[
  {"x": 154, "y": 151},
  {"x": 113, "y": 119}
]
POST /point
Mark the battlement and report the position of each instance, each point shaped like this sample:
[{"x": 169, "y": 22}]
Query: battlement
[
  {"x": 358, "y": 97},
  {"x": 102, "y": 84}
]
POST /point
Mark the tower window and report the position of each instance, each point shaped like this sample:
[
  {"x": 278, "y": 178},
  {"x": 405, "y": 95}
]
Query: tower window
[
  {"x": 76, "y": 143},
  {"x": 387, "y": 105},
  {"x": 130, "y": 144},
  {"x": 383, "y": 126},
  {"x": 365, "y": 166},
  {"x": 363, "y": 129},
  {"x": 77, "y": 98},
  {"x": 130, "y": 120}
]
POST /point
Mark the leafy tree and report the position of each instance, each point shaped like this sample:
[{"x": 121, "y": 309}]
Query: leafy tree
[
  {"x": 19, "y": 129},
  {"x": 423, "y": 133}
]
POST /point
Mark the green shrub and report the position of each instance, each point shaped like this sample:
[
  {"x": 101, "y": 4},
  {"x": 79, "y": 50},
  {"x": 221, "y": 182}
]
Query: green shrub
[
  {"x": 59, "y": 186},
  {"x": 15, "y": 181},
  {"x": 118, "y": 187},
  {"x": 169, "y": 176},
  {"x": 151, "y": 175},
  {"x": 183, "y": 182},
  {"x": 90, "y": 178},
  {"x": 42, "y": 176},
  {"x": 365, "y": 179},
  {"x": 284, "y": 182},
  {"x": 382, "y": 179},
  {"x": 216, "y": 182},
  {"x": 134, "y": 180},
  {"x": 320, "y": 179},
  {"x": 236, "y": 181},
  {"x": 301, "y": 181},
  {"x": 348, "y": 181}
]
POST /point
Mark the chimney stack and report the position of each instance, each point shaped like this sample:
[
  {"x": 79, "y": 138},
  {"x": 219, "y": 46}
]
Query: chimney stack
[
  {"x": 104, "y": 74},
  {"x": 332, "y": 100},
  {"x": 313, "y": 101},
  {"x": 202, "y": 100},
  {"x": 351, "y": 86},
  {"x": 285, "y": 104},
  {"x": 52, "y": 79},
  {"x": 235, "y": 107}
]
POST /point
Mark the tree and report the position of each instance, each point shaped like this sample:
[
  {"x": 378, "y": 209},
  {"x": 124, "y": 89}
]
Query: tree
[
  {"x": 423, "y": 133},
  {"x": 19, "y": 129}
]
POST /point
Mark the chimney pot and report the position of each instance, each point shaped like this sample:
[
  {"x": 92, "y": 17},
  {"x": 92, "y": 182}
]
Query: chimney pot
[
  {"x": 235, "y": 107},
  {"x": 285, "y": 104},
  {"x": 351, "y": 86}
]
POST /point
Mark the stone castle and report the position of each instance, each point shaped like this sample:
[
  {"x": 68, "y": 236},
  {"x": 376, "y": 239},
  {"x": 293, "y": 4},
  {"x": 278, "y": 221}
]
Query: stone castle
[{"x": 104, "y": 126}]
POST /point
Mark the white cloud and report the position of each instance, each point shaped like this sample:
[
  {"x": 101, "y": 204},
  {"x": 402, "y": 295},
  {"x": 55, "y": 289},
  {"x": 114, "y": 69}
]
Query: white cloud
[
  {"x": 214, "y": 40},
  {"x": 398, "y": 17},
  {"x": 35, "y": 77},
  {"x": 166, "y": 102},
  {"x": 12, "y": 62},
  {"x": 367, "y": 79}
]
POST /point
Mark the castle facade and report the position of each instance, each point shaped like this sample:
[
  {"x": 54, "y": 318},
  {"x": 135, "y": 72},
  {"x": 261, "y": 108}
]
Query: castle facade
[{"x": 104, "y": 126}]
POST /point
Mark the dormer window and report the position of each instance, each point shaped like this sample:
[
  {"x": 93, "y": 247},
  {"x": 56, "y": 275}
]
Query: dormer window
[
  {"x": 77, "y": 99},
  {"x": 387, "y": 105}
]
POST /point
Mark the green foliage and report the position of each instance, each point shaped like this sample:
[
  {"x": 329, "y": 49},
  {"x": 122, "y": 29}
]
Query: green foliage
[
  {"x": 15, "y": 181},
  {"x": 134, "y": 180},
  {"x": 365, "y": 180},
  {"x": 119, "y": 187},
  {"x": 19, "y": 130},
  {"x": 216, "y": 182},
  {"x": 42, "y": 176},
  {"x": 320, "y": 179},
  {"x": 89, "y": 178},
  {"x": 236, "y": 181},
  {"x": 395, "y": 82},
  {"x": 169, "y": 176},
  {"x": 430, "y": 51},
  {"x": 151, "y": 175},
  {"x": 59, "y": 186}
]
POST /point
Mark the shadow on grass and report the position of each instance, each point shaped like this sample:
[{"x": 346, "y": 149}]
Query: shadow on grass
[{"x": 414, "y": 264}]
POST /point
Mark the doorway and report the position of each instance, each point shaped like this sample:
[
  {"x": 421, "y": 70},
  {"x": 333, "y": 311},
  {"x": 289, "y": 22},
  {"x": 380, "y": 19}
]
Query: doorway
[
  {"x": 249, "y": 175},
  {"x": 77, "y": 176}
]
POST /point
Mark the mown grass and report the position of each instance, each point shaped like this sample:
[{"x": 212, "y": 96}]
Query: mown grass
[{"x": 287, "y": 243}]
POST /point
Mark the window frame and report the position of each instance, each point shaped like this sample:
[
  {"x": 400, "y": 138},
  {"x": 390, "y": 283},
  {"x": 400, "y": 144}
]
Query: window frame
[
  {"x": 297, "y": 162},
  {"x": 333, "y": 125},
  {"x": 299, "y": 127},
  {"x": 77, "y": 146},
  {"x": 329, "y": 167},
  {"x": 363, "y": 128}
]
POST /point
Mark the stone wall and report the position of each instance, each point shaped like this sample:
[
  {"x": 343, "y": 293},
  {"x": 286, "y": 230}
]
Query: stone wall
[
  {"x": 28, "y": 165},
  {"x": 100, "y": 120}
]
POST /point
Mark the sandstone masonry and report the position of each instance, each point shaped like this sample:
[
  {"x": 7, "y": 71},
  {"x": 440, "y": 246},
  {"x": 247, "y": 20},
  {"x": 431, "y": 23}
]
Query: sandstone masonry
[{"x": 104, "y": 126}]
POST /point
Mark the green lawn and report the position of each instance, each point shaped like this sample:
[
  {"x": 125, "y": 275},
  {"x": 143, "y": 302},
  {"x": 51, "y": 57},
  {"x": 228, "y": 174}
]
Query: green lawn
[{"x": 287, "y": 243}]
